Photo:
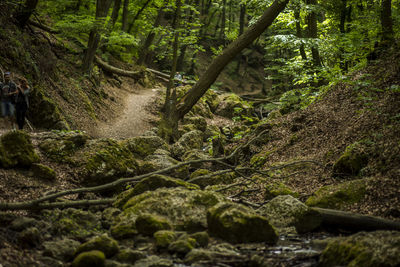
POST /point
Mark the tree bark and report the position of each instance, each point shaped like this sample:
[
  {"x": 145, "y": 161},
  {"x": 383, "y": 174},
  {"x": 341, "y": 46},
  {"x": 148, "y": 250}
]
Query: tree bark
[
  {"x": 218, "y": 64},
  {"x": 242, "y": 18},
  {"x": 386, "y": 21},
  {"x": 132, "y": 74},
  {"x": 223, "y": 21},
  {"x": 115, "y": 12},
  {"x": 318, "y": 218},
  {"x": 313, "y": 33},
  {"x": 24, "y": 13},
  {"x": 125, "y": 12},
  {"x": 102, "y": 7},
  {"x": 299, "y": 33}
]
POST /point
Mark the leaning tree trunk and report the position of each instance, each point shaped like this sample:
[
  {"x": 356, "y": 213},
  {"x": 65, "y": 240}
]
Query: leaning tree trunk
[
  {"x": 217, "y": 65},
  {"x": 102, "y": 7},
  {"x": 386, "y": 21},
  {"x": 24, "y": 13},
  {"x": 115, "y": 12}
]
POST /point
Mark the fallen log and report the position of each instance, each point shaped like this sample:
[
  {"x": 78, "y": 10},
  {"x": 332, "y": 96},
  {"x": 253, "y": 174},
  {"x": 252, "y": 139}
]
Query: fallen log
[
  {"x": 328, "y": 219},
  {"x": 105, "y": 66}
]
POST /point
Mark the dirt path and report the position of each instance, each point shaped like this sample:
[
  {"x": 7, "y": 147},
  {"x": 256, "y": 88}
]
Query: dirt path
[{"x": 134, "y": 120}]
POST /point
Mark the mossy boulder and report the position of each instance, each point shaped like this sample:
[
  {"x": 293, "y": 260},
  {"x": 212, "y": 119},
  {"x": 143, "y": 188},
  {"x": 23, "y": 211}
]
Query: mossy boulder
[
  {"x": 103, "y": 243},
  {"x": 188, "y": 141},
  {"x": 185, "y": 209},
  {"x": 212, "y": 100},
  {"x": 143, "y": 146},
  {"x": 148, "y": 224},
  {"x": 43, "y": 172},
  {"x": 104, "y": 160},
  {"x": 129, "y": 256},
  {"x": 90, "y": 259},
  {"x": 63, "y": 249},
  {"x": 16, "y": 149},
  {"x": 201, "y": 108},
  {"x": 275, "y": 189},
  {"x": 196, "y": 154},
  {"x": 238, "y": 224},
  {"x": 153, "y": 261},
  {"x": 61, "y": 145},
  {"x": 352, "y": 161},
  {"x": 380, "y": 248},
  {"x": 160, "y": 160},
  {"x": 338, "y": 196},
  {"x": 199, "y": 122},
  {"x": 29, "y": 237},
  {"x": 201, "y": 177},
  {"x": 123, "y": 229},
  {"x": 232, "y": 105},
  {"x": 202, "y": 239},
  {"x": 282, "y": 212},
  {"x": 164, "y": 238},
  {"x": 152, "y": 183},
  {"x": 182, "y": 246}
]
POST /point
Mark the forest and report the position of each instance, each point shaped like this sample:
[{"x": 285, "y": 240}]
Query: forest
[{"x": 200, "y": 133}]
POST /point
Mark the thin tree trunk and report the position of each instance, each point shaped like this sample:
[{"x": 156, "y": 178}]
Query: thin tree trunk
[
  {"x": 223, "y": 21},
  {"x": 24, "y": 13},
  {"x": 115, "y": 12},
  {"x": 386, "y": 21},
  {"x": 138, "y": 14},
  {"x": 217, "y": 65},
  {"x": 125, "y": 12},
  {"x": 242, "y": 18},
  {"x": 299, "y": 34},
  {"x": 313, "y": 33}
]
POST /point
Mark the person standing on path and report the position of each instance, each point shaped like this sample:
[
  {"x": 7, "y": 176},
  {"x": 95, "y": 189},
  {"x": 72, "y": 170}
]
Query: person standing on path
[
  {"x": 8, "y": 94},
  {"x": 22, "y": 102}
]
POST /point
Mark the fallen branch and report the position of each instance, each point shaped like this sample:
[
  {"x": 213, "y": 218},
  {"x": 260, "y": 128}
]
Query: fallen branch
[
  {"x": 105, "y": 66},
  {"x": 43, "y": 27}
]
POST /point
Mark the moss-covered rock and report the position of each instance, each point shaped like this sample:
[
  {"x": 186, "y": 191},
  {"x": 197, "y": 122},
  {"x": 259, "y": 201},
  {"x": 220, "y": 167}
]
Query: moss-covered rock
[
  {"x": 164, "y": 238},
  {"x": 282, "y": 212},
  {"x": 90, "y": 259},
  {"x": 338, "y": 196},
  {"x": 196, "y": 154},
  {"x": 238, "y": 224},
  {"x": 160, "y": 161},
  {"x": 143, "y": 146},
  {"x": 199, "y": 122},
  {"x": 380, "y": 248},
  {"x": 182, "y": 246},
  {"x": 152, "y": 261},
  {"x": 29, "y": 237},
  {"x": 104, "y": 160},
  {"x": 198, "y": 255},
  {"x": 188, "y": 141},
  {"x": 152, "y": 183},
  {"x": 63, "y": 249},
  {"x": 124, "y": 229},
  {"x": 129, "y": 256},
  {"x": 232, "y": 105},
  {"x": 201, "y": 238},
  {"x": 276, "y": 189},
  {"x": 185, "y": 209},
  {"x": 43, "y": 172},
  {"x": 206, "y": 180},
  {"x": 212, "y": 100},
  {"x": 201, "y": 109},
  {"x": 102, "y": 243},
  {"x": 148, "y": 224},
  {"x": 16, "y": 149},
  {"x": 352, "y": 161}
]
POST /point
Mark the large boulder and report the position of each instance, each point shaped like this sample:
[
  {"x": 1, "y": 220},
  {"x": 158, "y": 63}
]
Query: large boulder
[
  {"x": 380, "y": 248},
  {"x": 351, "y": 161},
  {"x": 160, "y": 160},
  {"x": 90, "y": 258},
  {"x": 231, "y": 105},
  {"x": 282, "y": 212},
  {"x": 63, "y": 249},
  {"x": 199, "y": 122},
  {"x": 185, "y": 209},
  {"x": 103, "y": 243},
  {"x": 188, "y": 141},
  {"x": 16, "y": 149},
  {"x": 204, "y": 178},
  {"x": 338, "y": 196},
  {"x": 143, "y": 146},
  {"x": 236, "y": 223}
]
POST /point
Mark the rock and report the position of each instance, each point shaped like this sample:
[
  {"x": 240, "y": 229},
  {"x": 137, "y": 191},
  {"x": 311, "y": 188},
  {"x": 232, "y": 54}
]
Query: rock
[
  {"x": 275, "y": 189},
  {"x": 212, "y": 131},
  {"x": 352, "y": 161},
  {"x": 164, "y": 238},
  {"x": 212, "y": 100},
  {"x": 63, "y": 249},
  {"x": 196, "y": 255},
  {"x": 161, "y": 161},
  {"x": 152, "y": 183},
  {"x": 185, "y": 209},
  {"x": 282, "y": 212},
  {"x": 113, "y": 263},
  {"x": 154, "y": 261},
  {"x": 201, "y": 238},
  {"x": 108, "y": 216},
  {"x": 148, "y": 224},
  {"x": 199, "y": 122},
  {"x": 367, "y": 249},
  {"x": 29, "y": 237},
  {"x": 201, "y": 109},
  {"x": 238, "y": 224},
  {"x": 143, "y": 146},
  {"x": 90, "y": 259},
  {"x": 182, "y": 246},
  {"x": 102, "y": 243},
  {"x": 130, "y": 256},
  {"x": 199, "y": 177},
  {"x": 43, "y": 172},
  {"x": 104, "y": 160},
  {"x": 196, "y": 154},
  {"x": 16, "y": 149},
  {"x": 124, "y": 229},
  {"x": 188, "y": 141},
  {"x": 231, "y": 105},
  {"x": 337, "y": 196},
  {"x": 21, "y": 223},
  {"x": 214, "y": 254},
  {"x": 7, "y": 218}
]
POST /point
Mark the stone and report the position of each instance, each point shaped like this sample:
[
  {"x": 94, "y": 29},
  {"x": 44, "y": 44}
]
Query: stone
[
  {"x": 201, "y": 238},
  {"x": 21, "y": 223},
  {"x": 238, "y": 224},
  {"x": 162, "y": 161},
  {"x": 102, "y": 243},
  {"x": 29, "y": 237},
  {"x": 43, "y": 172},
  {"x": 164, "y": 238},
  {"x": 148, "y": 224},
  {"x": 188, "y": 141},
  {"x": 143, "y": 146},
  {"x": 199, "y": 122},
  {"x": 203, "y": 180},
  {"x": 129, "y": 256},
  {"x": 276, "y": 189},
  {"x": 367, "y": 249},
  {"x": 154, "y": 261},
  {"x": 231, "y": 105},
  {"x": 63, "y": 249},
  {"x": 338, "y": 196},
  {"x": 108, "y": 216},
  {"x": 90, "y": 259},
  {"x": 16, "y": 149},
  {"x": 351, "y": 161},
  {"x": 182, "y": 246}
]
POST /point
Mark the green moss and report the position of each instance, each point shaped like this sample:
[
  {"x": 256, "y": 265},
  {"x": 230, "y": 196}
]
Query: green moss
[
  {"x": 90, "y": 259},
  {"x": 123, "y": 230},
  {"x": 337, "y": 196},
  {"x": 16, "y": 149},
  {"x": 199, "y": 172},
  {"x": 352, "y": 161},
  {"x": 182, "y": 246},
  {"x": 148, "y": 224},
  {"x": 43, "y": 172},
  {"x": 275, "y": 189},
  {"x": 130, "y": 256},
  {"x": 258, "y": 160},
  {"x": 143, "y": 146},
  {"x": 201, "y": 238},
  {"x": 164, "y": 238},
  {"x": 102, "y": 243}
]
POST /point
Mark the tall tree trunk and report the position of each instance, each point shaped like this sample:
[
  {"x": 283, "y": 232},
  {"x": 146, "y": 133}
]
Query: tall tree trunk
[
  {"x": 102, "y": 7},
  {"x": 115, "y": 12},
  {"x": 223, "y": 21},
  {"x": 125, "y": 12},
  {"x": 143, "y": 57},
  {"x": 342, "y": 28},
  {"x": 217, "y": 24},
  {"x": 299, "y": 33},
  {"x": 386, "y": 21},
  {"x": 138, "y": 14},
  {"x": 217, "y": 65},
  {"x": 169, "y": 120},
  {"x": 313, "y": 33},
  {"x": 24, "y": 13},
  {"x": 242, "y": 18}
]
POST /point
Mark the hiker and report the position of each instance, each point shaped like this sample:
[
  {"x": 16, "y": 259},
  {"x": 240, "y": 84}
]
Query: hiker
[
  {"x": 22, "y": 102},
  {"x": 178, "y": 79},
  {"x": 8, "y": 94}
]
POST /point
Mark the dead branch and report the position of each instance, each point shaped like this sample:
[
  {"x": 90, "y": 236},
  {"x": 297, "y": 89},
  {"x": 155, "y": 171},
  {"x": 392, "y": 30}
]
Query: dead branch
[
  {"x": 43, "y": 27},
  {"x": 105, "y": 66}
]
